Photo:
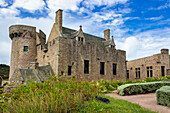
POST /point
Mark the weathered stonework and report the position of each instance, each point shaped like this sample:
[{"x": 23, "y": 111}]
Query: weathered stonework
[
  {"x": 66, "y": 48},
  {"x": 156, "y": 63}
]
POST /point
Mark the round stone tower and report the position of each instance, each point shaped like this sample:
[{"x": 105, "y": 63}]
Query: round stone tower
[{"x": 23, "y": 46}]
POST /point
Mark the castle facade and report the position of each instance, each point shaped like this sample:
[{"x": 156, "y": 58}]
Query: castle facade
[
  {"x": 157, "y": 65},
  {"x": 67, "y": 52}
]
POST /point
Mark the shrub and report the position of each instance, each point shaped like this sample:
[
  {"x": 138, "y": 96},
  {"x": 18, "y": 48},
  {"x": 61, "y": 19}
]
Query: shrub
[
  {"x": 138, "y": 88},
  {"x": 55, "y": 95},
  {"x": 163, "y": 96}
]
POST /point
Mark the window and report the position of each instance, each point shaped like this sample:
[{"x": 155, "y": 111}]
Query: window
[
  {"x": 114, "y": 69},
  {"x": 149, "y": 71},
  {"x": 163, "y": 70},
  {"x": 25, "y": 48},
  {"x": 69, "y": 70},
  {"x": 86, "y": 67},
  {"x": 102, "y": 68},
  {"x": 82, "y": 39},
  {"x": 78, "y": 38},
  {"x": 127, "y": 76},
  {"x": 137, "y": 72}
]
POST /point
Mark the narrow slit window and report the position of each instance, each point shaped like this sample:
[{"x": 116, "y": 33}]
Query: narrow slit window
[
  {"x": 25, "y": 48},
  {"x": 69, "y": 70},
  {"x": 163, "y": 70},
  {"x": 114, "y": 69},
  {"x": 102, "y": 68},
  {"x": 127, "y": 74},
  {"x": 86, "y": 66}
]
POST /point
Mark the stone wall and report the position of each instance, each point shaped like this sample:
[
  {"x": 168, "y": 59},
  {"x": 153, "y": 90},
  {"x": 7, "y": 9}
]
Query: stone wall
[
  {"x": 73, "y": 53},
  {"x": 156, "y": 61}
]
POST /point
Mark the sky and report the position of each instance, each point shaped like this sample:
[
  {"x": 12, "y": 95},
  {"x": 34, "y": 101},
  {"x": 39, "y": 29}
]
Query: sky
[{"x": 140, "y": 27}]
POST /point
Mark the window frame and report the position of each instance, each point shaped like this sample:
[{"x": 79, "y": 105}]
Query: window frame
[
  {"x": 114, "y": 72},
  {"x": 88, "y": 66},
  {"x": 24, "y": 49},
  {"x": 137, "y": 72},
  {"x": 149, "y": 71},
  {"x": 102, "y": 71}
]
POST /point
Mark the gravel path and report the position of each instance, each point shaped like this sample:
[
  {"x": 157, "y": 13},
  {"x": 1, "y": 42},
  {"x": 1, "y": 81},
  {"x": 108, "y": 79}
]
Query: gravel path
[{"x": 147, "y": 101}]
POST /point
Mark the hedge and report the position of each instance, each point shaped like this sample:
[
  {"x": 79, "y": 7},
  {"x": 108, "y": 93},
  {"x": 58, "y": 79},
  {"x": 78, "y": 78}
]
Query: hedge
[
  {"x": 140, "y": 88},
  {"x": 163, "y": 96}
]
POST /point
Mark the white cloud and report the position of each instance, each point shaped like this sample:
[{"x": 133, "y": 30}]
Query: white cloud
[
  {"x": 130, "y": 45},
  {"x": 63, "y": 4},
  {"x": 29, "y": 5},
  {"x": 45, "y": 24},
  {"x": 3, "y": 3},
  {"x": 3, "y": 50},
  {"x": 91, "y": 3},
  {"x": 166, "y": 5},
  {"x": 145, "y": 43},
  {"x": 8, "y": 12},
  {"x": 155, "y": 18}
]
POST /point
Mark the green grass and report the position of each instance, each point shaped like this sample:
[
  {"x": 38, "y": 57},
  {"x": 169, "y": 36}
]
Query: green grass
[
  {"x": 59, "y": 95},
  {"x": 115, "y": 106}
]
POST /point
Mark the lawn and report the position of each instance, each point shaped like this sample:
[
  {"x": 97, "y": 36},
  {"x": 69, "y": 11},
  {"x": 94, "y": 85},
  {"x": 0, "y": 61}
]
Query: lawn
[{"x": 115, "y": 106}]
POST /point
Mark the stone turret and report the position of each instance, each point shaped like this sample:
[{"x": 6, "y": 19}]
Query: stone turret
[
  {"x": 58, "y": 19},
  {"x": 165, "y": 51},
  {"x": 23, "y": 46}
]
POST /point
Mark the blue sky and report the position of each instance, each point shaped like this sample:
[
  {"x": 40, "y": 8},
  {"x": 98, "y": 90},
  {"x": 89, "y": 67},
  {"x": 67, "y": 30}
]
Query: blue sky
[{"x": 140, "y": 27}]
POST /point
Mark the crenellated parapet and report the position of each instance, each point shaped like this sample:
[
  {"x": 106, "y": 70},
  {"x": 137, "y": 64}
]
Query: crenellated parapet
[{"x": 19, "y": 30}]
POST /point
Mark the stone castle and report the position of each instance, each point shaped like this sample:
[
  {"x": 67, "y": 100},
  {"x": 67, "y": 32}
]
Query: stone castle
[
  {"x": 157, "y": 65},
  {"x": 67, "y": 52}
]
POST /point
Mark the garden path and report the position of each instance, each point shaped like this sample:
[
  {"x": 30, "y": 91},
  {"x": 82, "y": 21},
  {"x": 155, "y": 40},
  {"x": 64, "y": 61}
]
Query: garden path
[{"x": 147, "y": 101}]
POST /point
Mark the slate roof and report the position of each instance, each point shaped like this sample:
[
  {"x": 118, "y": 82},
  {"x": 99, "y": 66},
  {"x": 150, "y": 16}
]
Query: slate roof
[
  {"x": 39, "y": 75},
  {"x": 70, "y": 33}
]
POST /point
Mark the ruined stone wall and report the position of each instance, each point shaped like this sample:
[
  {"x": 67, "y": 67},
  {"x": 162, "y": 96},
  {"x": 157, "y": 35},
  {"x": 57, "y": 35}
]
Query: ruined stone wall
[
  {"x": 156, "y": 61},
  {"x": 51, "y": 56},
  {"x": 73, "y": 53}
]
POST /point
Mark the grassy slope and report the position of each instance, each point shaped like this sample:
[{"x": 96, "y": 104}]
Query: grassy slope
[{"x": 115, "y": 106}]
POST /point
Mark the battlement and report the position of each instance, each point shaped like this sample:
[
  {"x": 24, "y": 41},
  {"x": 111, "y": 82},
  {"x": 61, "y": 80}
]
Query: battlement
[{"x": 18, "y": 30}]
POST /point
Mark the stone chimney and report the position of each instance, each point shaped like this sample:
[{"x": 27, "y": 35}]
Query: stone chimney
[
  {"x": 58, "y": 19},
  {"x": 165, "y": 51},
  {"x": 34, "y": 65},
  {"x": 107, "y": 34}
]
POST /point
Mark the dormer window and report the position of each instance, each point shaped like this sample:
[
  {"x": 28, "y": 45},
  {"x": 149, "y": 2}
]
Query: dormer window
[
  {"x": 80, "y": 39},
  {"x": 112, "y": 46}
]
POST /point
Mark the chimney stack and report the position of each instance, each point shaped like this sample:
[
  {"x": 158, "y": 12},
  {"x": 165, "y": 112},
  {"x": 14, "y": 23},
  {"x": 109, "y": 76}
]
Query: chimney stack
[
  {"x": 58, "y": 19},
  {"x": 107, "y": 34}
]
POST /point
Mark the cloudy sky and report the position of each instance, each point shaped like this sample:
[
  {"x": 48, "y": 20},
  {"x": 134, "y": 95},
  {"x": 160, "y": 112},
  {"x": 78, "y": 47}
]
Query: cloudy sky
[{"x": 141, "y": 27}]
